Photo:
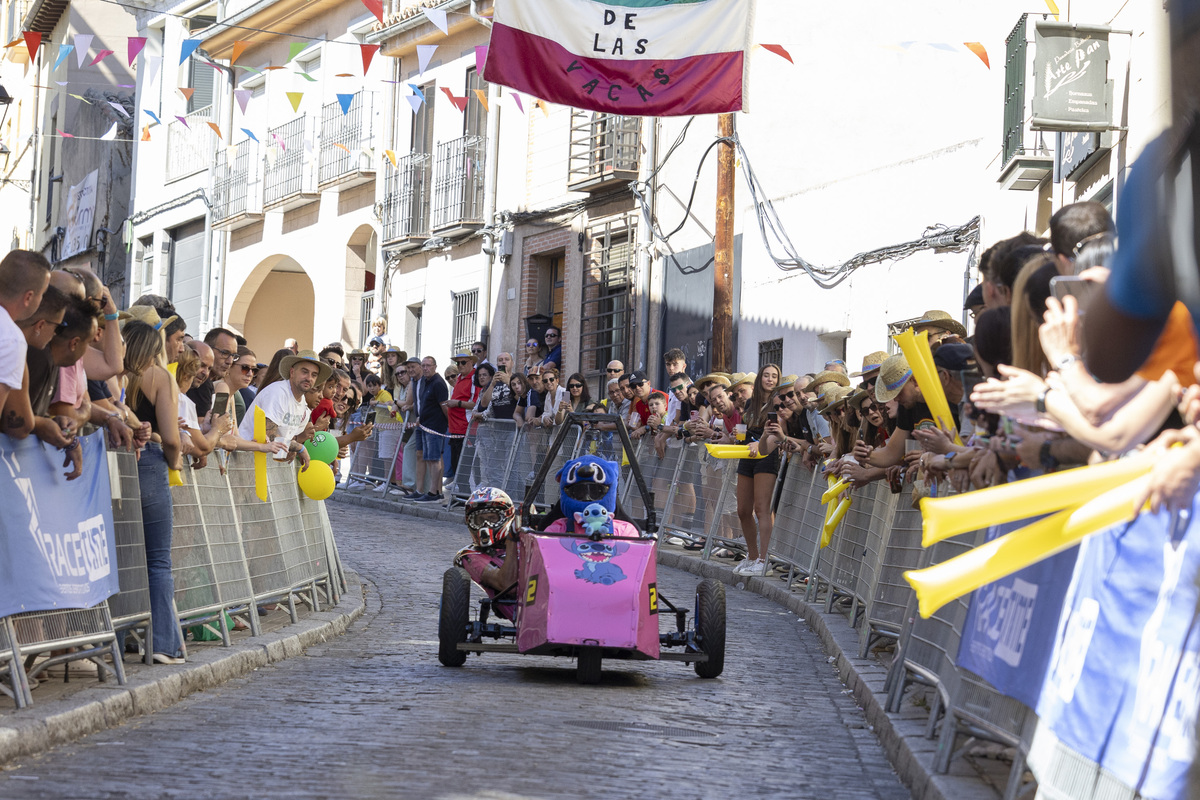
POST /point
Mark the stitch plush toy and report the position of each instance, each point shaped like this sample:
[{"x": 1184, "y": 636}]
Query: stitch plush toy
[{"x": 595, "y": 521}]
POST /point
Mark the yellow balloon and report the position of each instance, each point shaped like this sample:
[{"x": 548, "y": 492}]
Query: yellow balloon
[
  {"x": 937, "y": 585},
  {"x": 943, "y": 517},
  {"x": 317, "y": 482}
]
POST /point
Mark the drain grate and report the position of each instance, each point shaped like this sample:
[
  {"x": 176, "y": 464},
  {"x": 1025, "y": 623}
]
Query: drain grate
[{"x": 665, "y": 731}]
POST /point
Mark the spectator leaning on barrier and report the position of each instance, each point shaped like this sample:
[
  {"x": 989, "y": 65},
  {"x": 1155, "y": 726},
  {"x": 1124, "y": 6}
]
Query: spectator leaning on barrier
[
  {"x": 430, "y": 435},
  {"x": 554, "y": 396},
  {"x": 283, "y": 403},
  {"x": 518, "y": 386},
  {"x": 639, "y": 410},
  {"x": 726, "y": 415},
  {"x": 66, "y": 347},
  {"x": 461, "y": 399},
  {"x": 894, "y": 385},
  {"x": 484, "y": 381},
  {"x": 224, "y": 346},
  {"x": 535, "y": 397},
  {"x": 19, "y": 419},
  {"x": 24, "y": 276}
]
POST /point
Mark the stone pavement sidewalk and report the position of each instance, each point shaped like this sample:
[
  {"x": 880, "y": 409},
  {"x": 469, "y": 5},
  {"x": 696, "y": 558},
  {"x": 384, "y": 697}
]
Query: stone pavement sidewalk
[
  {"x": 979, "y": 776},
  {"x": 63, "y": 712}
]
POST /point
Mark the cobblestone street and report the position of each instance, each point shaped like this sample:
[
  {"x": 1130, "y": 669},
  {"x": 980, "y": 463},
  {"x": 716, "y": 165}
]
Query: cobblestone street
[{"x": 372, "y": 713}]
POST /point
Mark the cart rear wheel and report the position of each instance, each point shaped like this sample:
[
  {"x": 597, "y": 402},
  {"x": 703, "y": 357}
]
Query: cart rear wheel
[
  {"x": 454, "y": 615},
  {"x": 587, "y": 671},
  {"x": 710, "y": 627}
]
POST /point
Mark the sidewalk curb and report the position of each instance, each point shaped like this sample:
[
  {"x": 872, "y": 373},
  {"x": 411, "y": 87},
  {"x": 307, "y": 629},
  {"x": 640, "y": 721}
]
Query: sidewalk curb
[
  {"x": 903, "y": 740},
  {"x": 107, "y": 705},
  {"x": 434, "y": 511}
]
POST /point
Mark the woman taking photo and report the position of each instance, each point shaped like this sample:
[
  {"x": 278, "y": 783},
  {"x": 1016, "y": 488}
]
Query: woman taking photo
[
  {"x": 578, "y": 398},
  {"x": 153, "y": 397},
  {"x": 756, "y": 476},
  {"x": 518, "y": 385}
]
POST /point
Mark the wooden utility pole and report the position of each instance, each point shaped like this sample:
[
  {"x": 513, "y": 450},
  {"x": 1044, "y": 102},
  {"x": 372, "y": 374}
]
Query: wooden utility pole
[{"x": 722, "y": 339}]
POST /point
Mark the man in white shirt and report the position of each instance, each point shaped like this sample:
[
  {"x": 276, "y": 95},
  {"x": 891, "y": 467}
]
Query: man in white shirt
[
  {"x": 283, "y": 403},
  {"x": 24, "y": 276}
]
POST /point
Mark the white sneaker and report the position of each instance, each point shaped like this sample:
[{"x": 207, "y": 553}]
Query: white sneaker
[
  {"x": 742, "y": 566},
  {"x": 380, "y": 488},
  {"x": 758, "y": 567},
  {"x": 675, "y": 540}
]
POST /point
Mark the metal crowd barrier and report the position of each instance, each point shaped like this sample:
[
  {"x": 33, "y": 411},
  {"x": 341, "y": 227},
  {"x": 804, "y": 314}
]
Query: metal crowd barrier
[
  {"x": 486, "y": 456},
  {"x": 373, "y": 460},
  {"x": 230, "y": 552}
]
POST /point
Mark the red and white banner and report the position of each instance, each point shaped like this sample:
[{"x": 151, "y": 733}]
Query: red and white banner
[{"x": 631, "y": 57}]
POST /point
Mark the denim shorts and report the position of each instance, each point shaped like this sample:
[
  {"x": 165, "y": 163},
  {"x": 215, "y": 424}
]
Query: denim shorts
[{"x": 430, "y": 444}]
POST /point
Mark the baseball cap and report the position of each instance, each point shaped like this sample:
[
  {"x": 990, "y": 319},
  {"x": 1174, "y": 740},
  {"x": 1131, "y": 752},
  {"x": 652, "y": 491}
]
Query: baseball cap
[
  {"x": 637, "y": 377},
  {"x": 954, "y": 357},
  {"x": 377, "y": 340}
]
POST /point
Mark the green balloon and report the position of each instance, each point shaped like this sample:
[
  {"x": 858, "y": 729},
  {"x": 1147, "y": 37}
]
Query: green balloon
[{"x": 322, "y": 447}]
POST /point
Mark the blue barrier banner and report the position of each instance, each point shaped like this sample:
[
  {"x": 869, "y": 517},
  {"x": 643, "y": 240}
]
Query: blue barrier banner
[
  {"x": 1124, "y": 683},
  {"x": 57, "y": 548},
  {"x": 1011, "y": 624}
]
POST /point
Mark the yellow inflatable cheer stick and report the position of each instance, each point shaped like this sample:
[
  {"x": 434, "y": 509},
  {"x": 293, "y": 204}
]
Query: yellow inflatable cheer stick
[
  {"x": 174, "y": 477},
  {"x": 833, "y": 519},
  {"x": 726, "y": 451},
  {"x": 833, "y": 491},
  {"x": 920, "y": 361},
  {"x": 260, "y": 459},
  {"x": 938, "y": 585},
  {"x": 943, "y": 517}
]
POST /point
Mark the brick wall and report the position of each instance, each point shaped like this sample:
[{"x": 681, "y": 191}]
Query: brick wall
[{"x": 555, "y": 241}]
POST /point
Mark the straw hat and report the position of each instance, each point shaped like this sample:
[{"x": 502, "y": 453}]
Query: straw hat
[
  {"x": 323, "y": 369},
  {"x": 788, "y": 380},
  {"x": 840, "y": 378},
  {"x": 871, "y": 363},
  {"x": 148, "y": 315},
  {"x": 894, "y": 373},
  {"x": 713, "y": 377},
  {"x": 940, "y": 319},
  {"x": 833, "y": 398},
  {"x": 740, "y": 378},
  {"x": 856, "y": 400}
]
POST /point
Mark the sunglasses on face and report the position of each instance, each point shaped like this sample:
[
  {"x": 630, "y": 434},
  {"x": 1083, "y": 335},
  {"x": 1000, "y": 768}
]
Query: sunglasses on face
[
  {"x": 679, "y": 388},
  {"x": 614, "y": 371},
  {"x": 777, "y": 406},
  {"x": 550, "y": 378},
  {"x": 787, "y": 395},
  {"x": 531, "y": 344},
  {"x": 551, "y": 335},
  {"x": 574, "y": 385},
  {"x": 247, "y": 369},
  {"x": 476, "y": 351}
]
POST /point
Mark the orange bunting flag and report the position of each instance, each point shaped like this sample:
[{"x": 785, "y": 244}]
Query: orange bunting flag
[
  {"x": 545, "y": 108},
  {"x": 216, "y": 129},
  {"x": 294, "y": 98},
  {"x": 368, "y": 53},
  {"x": 342, "y": 146},
  {"x": 778, "y": 50},
  {"x": 33, "y": 40},
  {"x": 145, "y": 133},
  {"x": 13, "y": 43},
  {"x": 482, "y": 95},
  {"x": 978, "y": 49},
  {"x": 238, "y": 49},
  {"x": 187, "y": 93},
  {"x": 391, "y": 156}
]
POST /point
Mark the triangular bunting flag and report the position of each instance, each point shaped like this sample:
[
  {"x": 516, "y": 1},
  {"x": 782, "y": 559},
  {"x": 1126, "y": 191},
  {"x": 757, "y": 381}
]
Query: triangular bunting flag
[
  {"x": 438, "y": 17},
  {"x": 482, "y": 95},
  {"x": 375, "y": 7},
  {"x": 187, "y": 48},
  {"x": 231, "y": 151},
  {"x": 459, "y": 102},
  {"x": 480, "y": 57},
  {"x": 184, "y": 121},
  {"x": 295, "y": 49},
  {"x": 424, "y": 54},
  {"x": 65, "y": 135},
  {"x": 391, "y": 156},
  {"x": 80, "y": 97},
  {"x": 111, "y": 134},
  {"x": 545, "y": 108},
  {"x": 119, "y": 108},
  {"x": 14, "y": 42},
  {"x": 368, "y": 53},
  {"x": 238, "y": 48},
  {"x": 187, "y": 93},
  {"x": 344, "y": 100},
  {"x": 778, "y": 50},
  {"x": 33, "y": 40},
  {"x": 279, "y": 141},
  {"x": 152, "y": 64},
  {"x": 307, "y": 77},
  {"x": 272, "y": 156},
  {"x": 294, "y": 98},
  {"x": 64, "y": 50},
  {"x": 103, "y": 54},
  {"x": 82, "y": 42},
  {"x": 416, "y": 89},
  {"x": 979, "y": 50},
  {"x": 135, "y": 45},
  {"x": 216, "y": 129},
  {"x": 415, "y": 100},
  {"x": 243, "y": 98},
  {"x": 250, "y": 134},
  {"x": 352, "y": 75},
  {"x": 152, "y": 116},
  {"x": 342, "y": 146},
  {"x": 517, "y": 99},
  {"x": 255, "y": 70},
  {"x": 145, "y": 133}
]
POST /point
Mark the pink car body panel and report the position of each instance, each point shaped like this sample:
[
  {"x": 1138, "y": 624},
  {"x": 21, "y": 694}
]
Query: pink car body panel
[{"x": 579, "y": 592}]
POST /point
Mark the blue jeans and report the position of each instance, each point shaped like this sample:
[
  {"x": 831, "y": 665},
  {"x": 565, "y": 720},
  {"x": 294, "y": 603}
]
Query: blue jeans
[{"x": 157, "y": 522}]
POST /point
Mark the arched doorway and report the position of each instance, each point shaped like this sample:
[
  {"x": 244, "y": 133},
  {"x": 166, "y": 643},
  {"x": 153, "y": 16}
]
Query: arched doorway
[
  {"x": 361, "y": 257},
  {"x": 275, "y": 303}
]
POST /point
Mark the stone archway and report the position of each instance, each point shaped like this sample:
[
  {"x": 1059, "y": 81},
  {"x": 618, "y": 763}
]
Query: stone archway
[{"x": 276, "y": 302}]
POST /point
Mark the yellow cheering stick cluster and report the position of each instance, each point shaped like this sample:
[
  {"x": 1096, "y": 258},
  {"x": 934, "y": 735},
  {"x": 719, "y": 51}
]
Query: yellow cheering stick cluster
[
  {"x": 920, "y": 360},
  {"x": 1080, "y": 502},
  {"x": 834, "y": 511},
  {"x": 725, "y": 451}
]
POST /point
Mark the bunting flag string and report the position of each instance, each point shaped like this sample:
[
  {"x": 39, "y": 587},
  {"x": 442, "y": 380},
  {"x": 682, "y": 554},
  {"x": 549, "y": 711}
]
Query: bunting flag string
[
  {"x": 424, "y": 54},
  {"x": 368, "y": 53},
  {"x": 216, "y": 129},
  {"x": 243, "y": 98},
  {"x": 482, "y": 95},
  {"x": 438, "y": 17},
  {"x": 778, "y": 50},
  {"x": 33, "y": 40},
  {"x": 64, "y": 50},
  {"x": 135, "y": 45},
  {"x": 189, "y": 46},
  {"x": 344, "y": 100},
  {"x": 83, "y": 42},
  {"x": 103, "y": 54},
  {"x": 294, "y": 98}
]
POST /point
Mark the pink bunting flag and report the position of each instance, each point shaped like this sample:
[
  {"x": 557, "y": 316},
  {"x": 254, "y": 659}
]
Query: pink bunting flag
[
  {"x": 136, "y": 43},
  {"x": 279, "y": 141},
  {"x": 83, "y": 42},
  {"x": 184, "y": 121},
  {"x": 65, "y": 135},
  {"x": 517, "y": 99},
  {"x": 243, "y": 98},
  {"x": 480, "y": 57},
  {"x": 103, "y": 54}
]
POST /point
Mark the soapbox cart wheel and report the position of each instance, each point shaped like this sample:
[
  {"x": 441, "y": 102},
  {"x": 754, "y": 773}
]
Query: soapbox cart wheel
[
  {"x": 453, "y": 617},
  {"x": 710, "y": 627},
  {"x": 587, "y": 671}
]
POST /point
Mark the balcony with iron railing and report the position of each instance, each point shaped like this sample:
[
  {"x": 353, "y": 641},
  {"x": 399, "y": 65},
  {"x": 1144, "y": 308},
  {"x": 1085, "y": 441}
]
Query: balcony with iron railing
[
  {"x": 458, "y": 185},
  {"x": 347, "y": 140},
  {"x": 605, "y": 150},
  {"x": 406, "y": 202},
  {"x": 287, "y": 174},
  {"x": 237, "y": 187},
  {"x": 189, "y": 145}
]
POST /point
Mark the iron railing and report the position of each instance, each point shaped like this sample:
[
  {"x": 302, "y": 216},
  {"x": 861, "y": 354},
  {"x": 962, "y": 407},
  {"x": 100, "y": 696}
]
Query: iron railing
[
  {"x": 345, "y": 135},
  {"x": 406, "y": 199},
  {"x": 466, "y": 320},
  {"x": 231, "y": 182},
  {"x": 189, "y": 144},
  {"x": 603, "y": 147},
  {"x": 284, "y": 175},
  {"x": 458, "y": 187}
]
